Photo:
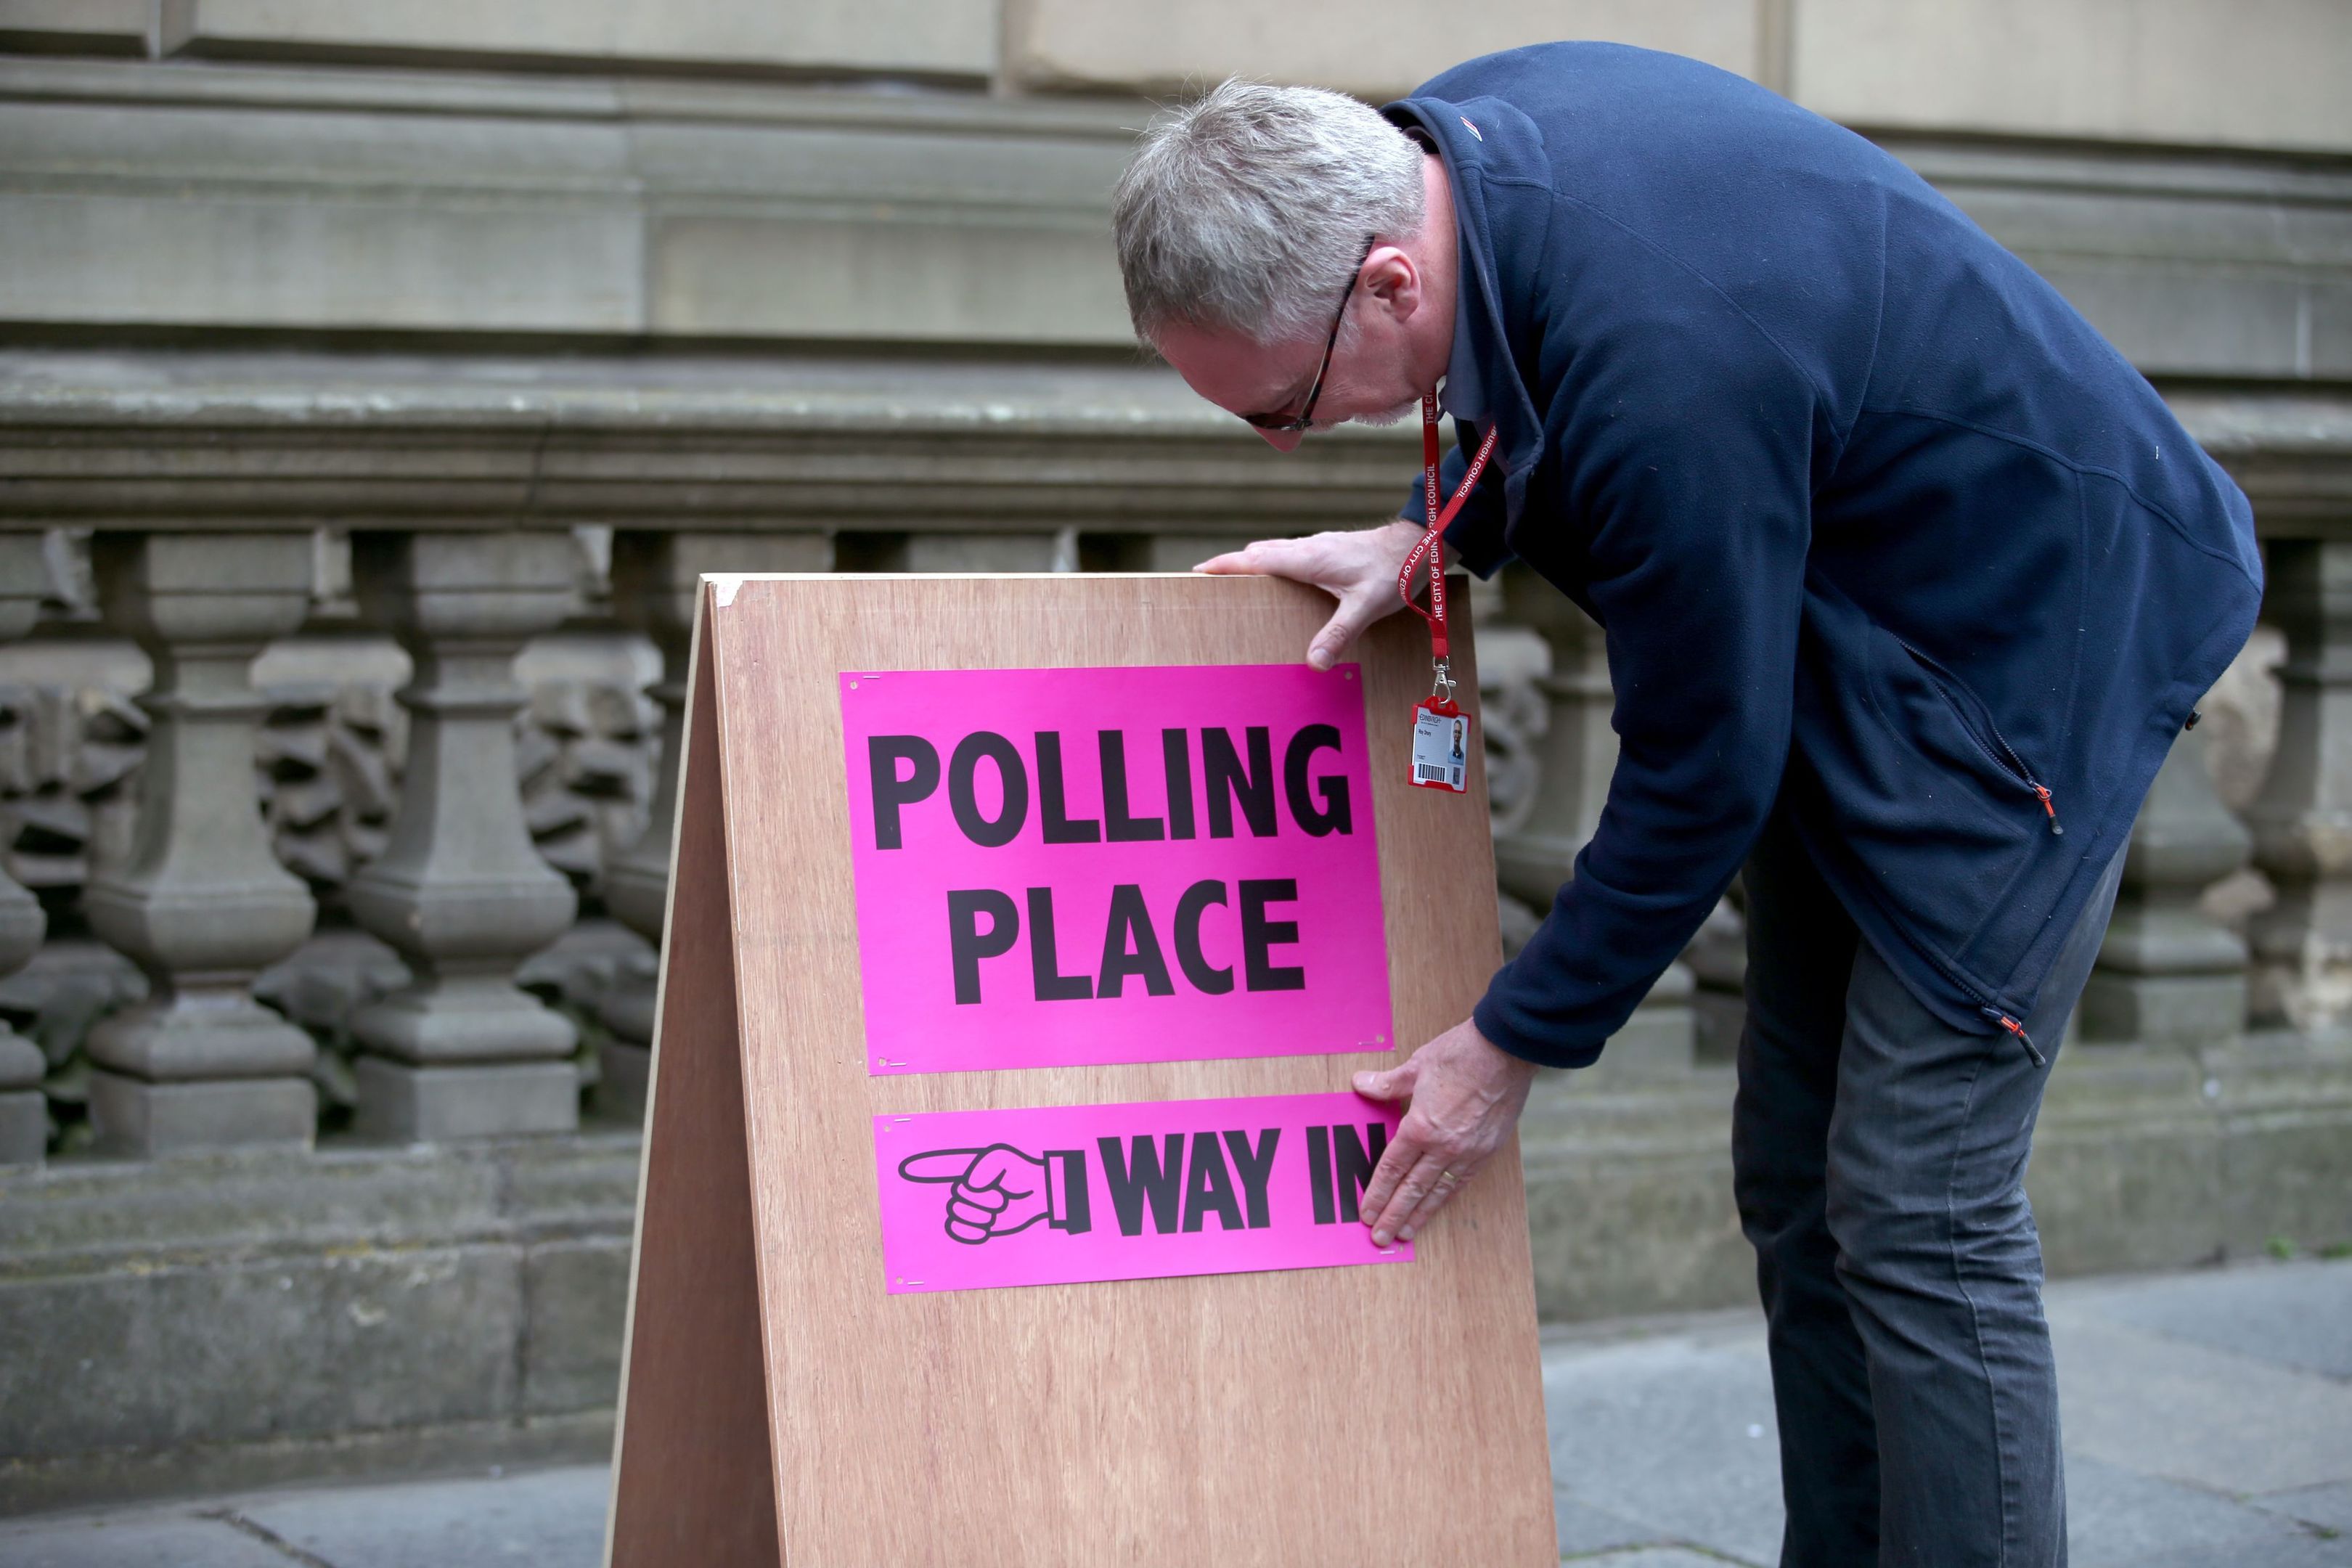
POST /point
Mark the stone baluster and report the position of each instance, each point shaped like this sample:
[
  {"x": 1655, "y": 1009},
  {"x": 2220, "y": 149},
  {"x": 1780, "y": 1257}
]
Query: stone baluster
[
  {"x": 1578, "y": 754},
  {"x": 1661, "y": 1036},
  {"x": 458, "y": 890},
  {"x": 1158, "y": 551},
  {"x": 201, "y": 903},
  {"x": 1718, "y": 959},
  {"x": 1578, "y": 749},
  {"x": 958, "y": 551},
  {"x": 2168, "y": 973},
  {"x": 655, "y": 578},
  {"x": 992, "y": 551},
  {"x": 2302, "y": 821},
  {"x": 24, "y": 1114}
]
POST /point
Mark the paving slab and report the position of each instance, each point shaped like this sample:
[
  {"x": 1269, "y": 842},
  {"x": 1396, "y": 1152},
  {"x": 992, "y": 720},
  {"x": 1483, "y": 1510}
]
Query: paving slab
[
  {"x": 166, "y": 1542},
  {"x": 1673, "y": 1435},
  {"x": 2187, "y": 1447},
  {"x": 2296, "y": 1315},
  {"x": 1585, "y": 1529},
  {"x": 549, "y": 1519},
  {"x": 2118, "y": 1519},
  {"x": 2324, "y": 1508},
  {"x": 2164, "y": 1406}
]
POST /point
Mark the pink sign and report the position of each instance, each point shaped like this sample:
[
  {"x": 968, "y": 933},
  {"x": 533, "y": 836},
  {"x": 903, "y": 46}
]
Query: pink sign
[
  {"x": 1069, "y": 867},
  {"x": 973, "y": 1200}
]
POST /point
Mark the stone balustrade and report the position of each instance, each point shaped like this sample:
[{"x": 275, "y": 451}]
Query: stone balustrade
[{"x": 510, "y": 982}]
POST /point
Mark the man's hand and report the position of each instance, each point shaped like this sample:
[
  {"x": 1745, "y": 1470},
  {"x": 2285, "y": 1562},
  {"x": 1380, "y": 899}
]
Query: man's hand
[
  {"x": 1358, "y": 567},
  {"x": 1466, "y": 1096}
]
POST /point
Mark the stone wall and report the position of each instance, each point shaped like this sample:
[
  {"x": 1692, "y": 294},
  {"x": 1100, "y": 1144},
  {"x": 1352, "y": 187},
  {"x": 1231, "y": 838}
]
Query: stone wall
[{"x": 2180, "y": 73}]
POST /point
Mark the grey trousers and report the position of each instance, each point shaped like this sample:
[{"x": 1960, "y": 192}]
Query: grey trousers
[{"x": 1879, "y": 1163}]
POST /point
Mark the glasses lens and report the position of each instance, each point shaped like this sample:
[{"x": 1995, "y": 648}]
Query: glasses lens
[{"x": 1304, "y": 418}]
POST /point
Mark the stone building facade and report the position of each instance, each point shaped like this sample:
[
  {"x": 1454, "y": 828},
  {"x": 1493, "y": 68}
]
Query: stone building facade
[{"x": 375, "y": 379}]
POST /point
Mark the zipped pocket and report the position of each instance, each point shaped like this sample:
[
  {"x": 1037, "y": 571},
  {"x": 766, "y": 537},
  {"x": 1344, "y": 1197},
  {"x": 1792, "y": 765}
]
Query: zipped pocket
[{"x": 1976, "y": 723}]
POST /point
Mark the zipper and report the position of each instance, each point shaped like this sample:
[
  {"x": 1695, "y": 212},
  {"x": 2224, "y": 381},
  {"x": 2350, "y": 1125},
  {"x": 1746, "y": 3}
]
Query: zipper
[
  {"x": 2004, "y": 758},
  {"x": 2018, "y": 1030},
  {"x": 1991, "y": 1013},
  {"x": 1988, "y": 1010}
]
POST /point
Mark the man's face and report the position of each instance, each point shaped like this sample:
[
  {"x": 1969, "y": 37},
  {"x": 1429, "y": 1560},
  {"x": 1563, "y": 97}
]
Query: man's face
[{"x": 1370, "y": 380}]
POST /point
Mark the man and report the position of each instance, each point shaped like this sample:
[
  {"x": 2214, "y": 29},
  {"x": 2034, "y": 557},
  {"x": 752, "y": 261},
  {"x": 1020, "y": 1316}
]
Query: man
[{"x": 1909, "y": 582}]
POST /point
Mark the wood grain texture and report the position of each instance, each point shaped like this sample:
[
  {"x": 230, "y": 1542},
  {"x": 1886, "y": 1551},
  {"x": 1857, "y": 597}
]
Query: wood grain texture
[
  {"x": 692, "y": 1474},
  {"x": 1339, "y": 1416}
]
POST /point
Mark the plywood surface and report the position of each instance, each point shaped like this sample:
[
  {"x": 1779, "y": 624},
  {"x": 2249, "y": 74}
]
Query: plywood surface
[
  {"x": 1317, "y": 1417},
  {"x": 691, "y": 1464}
]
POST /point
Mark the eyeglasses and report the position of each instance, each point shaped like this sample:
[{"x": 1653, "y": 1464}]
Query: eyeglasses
[{"x": 1306, "y": 420}]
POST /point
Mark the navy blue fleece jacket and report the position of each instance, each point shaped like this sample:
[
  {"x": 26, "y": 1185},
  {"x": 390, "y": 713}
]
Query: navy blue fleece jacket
[{"x": 1860, "y": 504}]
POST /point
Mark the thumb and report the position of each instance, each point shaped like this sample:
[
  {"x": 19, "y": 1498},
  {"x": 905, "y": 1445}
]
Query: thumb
[
  {"x": 1347, "y": 623},
  {"x": 1394, "y": 1083}
]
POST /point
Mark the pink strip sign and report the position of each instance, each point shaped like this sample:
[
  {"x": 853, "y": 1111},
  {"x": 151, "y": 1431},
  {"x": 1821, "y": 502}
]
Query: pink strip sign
[
  {"x": 975, "y": 1200},
  {"x": 1065, "y": 868}
]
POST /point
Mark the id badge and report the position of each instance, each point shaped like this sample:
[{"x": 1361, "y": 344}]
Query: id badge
[{"x": 1441, "y": 745}]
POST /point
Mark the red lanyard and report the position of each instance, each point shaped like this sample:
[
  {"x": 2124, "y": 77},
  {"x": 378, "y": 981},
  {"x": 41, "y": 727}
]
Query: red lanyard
[{"x": 1428, "y": 548}]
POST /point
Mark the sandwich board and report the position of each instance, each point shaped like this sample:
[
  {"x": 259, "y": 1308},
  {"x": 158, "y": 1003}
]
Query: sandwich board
[{"x": 999, "y": 1173}]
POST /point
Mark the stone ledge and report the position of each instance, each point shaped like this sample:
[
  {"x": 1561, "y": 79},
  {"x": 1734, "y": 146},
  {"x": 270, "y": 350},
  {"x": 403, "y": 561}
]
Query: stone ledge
[
  {"x": 81, "y": 1213},
  {"x": 82, "y": 1481},
  {"x": 2144, "y": 1158},
  {"x": 235, "y": 439},
  {"x": 241, "y": 440},
  {"x": 239, "y": 1319}
]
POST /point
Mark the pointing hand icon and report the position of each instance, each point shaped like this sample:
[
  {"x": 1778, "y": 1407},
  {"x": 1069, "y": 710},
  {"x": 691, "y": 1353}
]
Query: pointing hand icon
[{"x": 999, "y": 1190}]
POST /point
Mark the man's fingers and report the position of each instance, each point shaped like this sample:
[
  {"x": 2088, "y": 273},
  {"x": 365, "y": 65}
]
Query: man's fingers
[
  {"x": 1390, "y": 1218},
  {"x": 1345, "y": 625},
  {"x": 971, "y": 1235},
  {"x": 1391, "y": 1083},
  {"x": 1260, "y": 557},
  {"x": 1404, "y": 1152},
  {"x": 1449, "y": 1180}
]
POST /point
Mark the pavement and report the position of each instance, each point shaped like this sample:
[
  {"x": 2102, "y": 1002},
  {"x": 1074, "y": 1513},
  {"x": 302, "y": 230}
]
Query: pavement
[{"x": 2208, "y": 1417}]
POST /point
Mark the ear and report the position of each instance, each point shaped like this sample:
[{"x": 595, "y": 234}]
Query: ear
[{"x": 1393, "y": 279}]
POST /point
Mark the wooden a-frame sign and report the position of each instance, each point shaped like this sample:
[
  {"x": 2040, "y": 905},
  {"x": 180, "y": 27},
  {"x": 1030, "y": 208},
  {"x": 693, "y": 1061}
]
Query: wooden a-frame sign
[{"x": 788, "y": 1400}]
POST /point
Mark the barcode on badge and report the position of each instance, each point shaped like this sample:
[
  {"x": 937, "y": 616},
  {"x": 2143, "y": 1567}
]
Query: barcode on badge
[{"x": 1441, "y": 750}]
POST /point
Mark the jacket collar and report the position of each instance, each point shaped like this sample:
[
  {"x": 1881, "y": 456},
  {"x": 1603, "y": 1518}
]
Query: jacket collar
[{"x": 1481, "y": 143}]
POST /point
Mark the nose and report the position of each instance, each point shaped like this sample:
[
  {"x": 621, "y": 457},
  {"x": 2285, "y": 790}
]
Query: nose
[{"x": 1284, "y": 440}]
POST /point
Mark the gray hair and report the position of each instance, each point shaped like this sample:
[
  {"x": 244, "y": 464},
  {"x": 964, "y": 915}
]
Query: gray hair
[{"x": 1247, "y": 209}]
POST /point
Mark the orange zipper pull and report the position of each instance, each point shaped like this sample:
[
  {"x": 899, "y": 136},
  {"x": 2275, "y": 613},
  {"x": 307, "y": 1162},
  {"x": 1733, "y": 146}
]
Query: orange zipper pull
[
  {"x": 2050, "y": 807},
  {"x": 2018, "y": 1029}
]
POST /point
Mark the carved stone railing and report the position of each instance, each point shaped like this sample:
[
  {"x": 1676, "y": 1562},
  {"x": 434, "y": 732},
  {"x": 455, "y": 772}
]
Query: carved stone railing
[
  {"x": 371, "y": 646},
  {"x": 482, "y": 842}
]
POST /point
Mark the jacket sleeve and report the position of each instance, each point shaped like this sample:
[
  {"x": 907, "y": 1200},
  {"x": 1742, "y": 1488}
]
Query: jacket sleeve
[
  {"x": 1476, "y": 531},
  {"x": 1685, "y": 452}
]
